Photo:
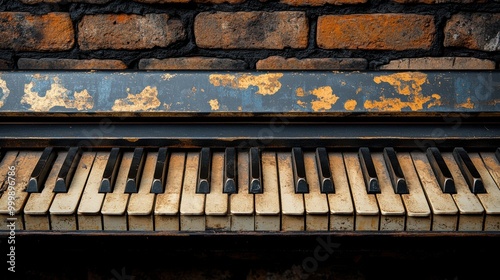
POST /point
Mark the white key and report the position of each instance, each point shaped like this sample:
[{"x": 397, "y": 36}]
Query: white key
[
  {"x": 36, "y": 211},
  {"x": 491, "y": 180},
  {"x": 11, "y": 214},
  {"x": 192, "y": 203},
  {"x": 367, "y": 212},
  {"x": 470, "y": 208},
  {"x": 340, "y": 202},
  {"x": 418, "y": 212},
  {"x": 267, "y": 204},
  {"x": 390, "y": 204},
  {"x": 292, "y": 204},
  {"x": 316, "y": 203},
  {"x": 444, "y": 210},
  {"x": 140, "y": 205},
  {"x": 63, "y": 208},
  {"x": 115, "y": 203},
  {"x": 89, "y": 209},
  {"x": 216, "y": 204},
  {"x": 241, "y": 204},
  {"x": 167, "y": 203},
  {"x": 7, "y": 161}
]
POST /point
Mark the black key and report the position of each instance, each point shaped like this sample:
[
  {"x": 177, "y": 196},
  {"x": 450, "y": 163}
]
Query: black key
[
  {"x": 324, "y": 172},
  {"x": 41, "y": 171},
  {"x": 135, "y": 171},
  {"x": 299, "y": 171},
  {"x": 67, "y": 170},
  {"x": 395, "y": 171},
  {"x": 110, "y": 171},
  {"x": 204, "y": 171},
  {"x": 255, "y": 171},
  {"x": 441, "y": 170},
  {"x": 157, "y": 186},
  {"x": 469, "y": 170},
  {"x": 368, "y": 169},
  {"x": 230, "y": 171}
]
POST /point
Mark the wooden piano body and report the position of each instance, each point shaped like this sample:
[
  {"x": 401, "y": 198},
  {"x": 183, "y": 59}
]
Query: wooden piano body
[{"x": 235, "y": 162}]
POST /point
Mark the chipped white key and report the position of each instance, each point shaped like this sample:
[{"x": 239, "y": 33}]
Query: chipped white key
[
  {"x": 391, "y": 206},
  {"x": 491, "y": 180},
  {"x": 10, "y": 210},
  {"x": 292, "y": 204},
  {"x": 340, "y": 202},
  {"x": 267, "y": 204},
  {"x": 140, "y": 205},
  {"x": 36, "y": 211},
  {"x": 241, "y": 204},
  {"x": 216, "y": 204},
  {"x": 367, "y": 212},
  {"x": 316, "y": 203},
  {"x": 63, "y": 208},
  {"x": 115, "y": 204},
  {"x": 167, "y": 203},
  {"x": 444, "y": 210},
  {"x": 470, "y": 208},
  {"x": 192, "y": 204},
  {"x": 6, "y": 163},
  {"x": 418, "y": 211},
  {"x": 89, "y": 209}
]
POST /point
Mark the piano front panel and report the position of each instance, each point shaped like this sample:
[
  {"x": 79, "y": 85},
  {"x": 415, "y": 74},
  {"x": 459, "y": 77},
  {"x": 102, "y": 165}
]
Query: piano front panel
[{"x": 278, "y": 208}]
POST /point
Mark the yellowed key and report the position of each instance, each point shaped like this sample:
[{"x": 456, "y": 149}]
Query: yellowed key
[
  {"x": 444, "y": 210},
  {"x": 140, "y": 205},
  {"x": 216, "y": 204},
  {"x": 316, "y": 203},
  {"x": 192, "y": 204},
  {"x": 89, "y": 209},
  {"x": 36, "y": 211},
  {"x": 13, "y": 201},
  {"x": 340, "y": 202},
  {"x": 241, "y": 204},
  {"x": 367, "y": 212},
  {"x": 292, "y": 204},
  {"x": 5, "y": 166},
  {"x": 167, "y": 203},
  {"x": 489, "y": 170},
  {"x": 267, "y": 204},
  {"x": 114, "y": 215}
]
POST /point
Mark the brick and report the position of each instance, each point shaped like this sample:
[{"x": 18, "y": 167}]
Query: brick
[
  {"x": 281, "y": 63},
  {"x": 321, "y": 2},
  {"x": 22, "y": 31},
  {"x": 57, "y": 63},
  {"x": 440, "y": 63},
  {"x": 376, "y": 31},
  {"x": 5, "y": 64},
  {"x": 479, "y": 31},
  {"x": 439, "y": 1},
  {"x": 128, "y": 32},
  {"x": 251, "y": 30},
  {"x": 192, "y": 63}
]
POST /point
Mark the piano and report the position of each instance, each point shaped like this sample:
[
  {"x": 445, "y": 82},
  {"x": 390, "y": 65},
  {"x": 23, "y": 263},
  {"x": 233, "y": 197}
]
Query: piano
[{"x": 256, "y": 154}]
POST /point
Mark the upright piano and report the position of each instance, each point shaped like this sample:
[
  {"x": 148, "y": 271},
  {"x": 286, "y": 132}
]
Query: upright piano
[{"x": 253, "y": 157}]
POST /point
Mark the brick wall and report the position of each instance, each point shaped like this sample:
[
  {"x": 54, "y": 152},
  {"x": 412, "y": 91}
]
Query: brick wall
[{"x": 250, "y": 34}]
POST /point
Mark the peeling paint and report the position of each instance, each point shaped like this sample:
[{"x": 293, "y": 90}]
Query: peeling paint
[
  {"x": 144, "y": 101},
  {"x": 301, "y": 103},
  {"x": 467, "y": 105},
  {"x": 300, "y": 92},
  {"x": 214, "y": 104},
  {"x": 267, "y": 84},
  {"x": 167, "y": 76},
  {"x": 5, "y": 92},
  {"x": 408, "y": 84},
  {"x": 56, "y": 96},
  {"x": 326, "y": 98},
  {"x": 350, "y": 104}
]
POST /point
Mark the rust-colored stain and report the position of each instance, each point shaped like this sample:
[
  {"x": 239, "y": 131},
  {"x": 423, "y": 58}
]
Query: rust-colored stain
[
  {"x": 326, "y": 98},
  {"x": 267, "y": 84},
  {"x": 408, "y": 84},
  {"x": 144, "y": 101},
  {"x": 5, "y": 92},
  {"x": 56, "y": 96},
  {"x": 300, "y": 92},
  {"x": 214, "y": 104},
  {"x": 467, "y": 105},
  {"x": 350, "y": 104},
  {"x": 301, "y": 103}
]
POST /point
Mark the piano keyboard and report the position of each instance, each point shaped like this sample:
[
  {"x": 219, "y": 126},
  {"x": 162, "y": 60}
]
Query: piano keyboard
[{"x": 322, "y": 189}]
